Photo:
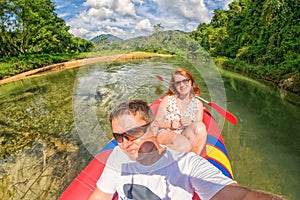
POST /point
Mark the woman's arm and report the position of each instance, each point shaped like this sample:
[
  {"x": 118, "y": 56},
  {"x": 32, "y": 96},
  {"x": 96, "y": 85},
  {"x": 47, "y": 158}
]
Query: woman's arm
[
  {"x": 199, "y": 116},
  {"x": 160, "y": 117}
]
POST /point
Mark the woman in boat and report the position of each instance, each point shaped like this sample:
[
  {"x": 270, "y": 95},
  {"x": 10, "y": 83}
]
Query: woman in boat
[{"x": 180, "y": 113}]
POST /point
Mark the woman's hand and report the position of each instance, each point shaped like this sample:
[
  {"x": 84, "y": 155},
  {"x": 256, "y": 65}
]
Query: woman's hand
[
  {"x": 186, "y": 121},
  {"x": 175, "y": 124}
]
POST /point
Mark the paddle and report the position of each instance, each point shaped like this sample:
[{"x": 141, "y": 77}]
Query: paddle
[{"x": 224, "y": 113}]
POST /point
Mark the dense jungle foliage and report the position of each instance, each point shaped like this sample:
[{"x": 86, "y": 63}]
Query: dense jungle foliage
[
  {"x": 262, "y": 33},
  {"x": 32, "y": 27}
]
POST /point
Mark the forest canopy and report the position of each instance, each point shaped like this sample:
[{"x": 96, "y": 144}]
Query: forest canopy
[
  {"x": 32, "y": 27},
  {"x": 259, "y": 32}
]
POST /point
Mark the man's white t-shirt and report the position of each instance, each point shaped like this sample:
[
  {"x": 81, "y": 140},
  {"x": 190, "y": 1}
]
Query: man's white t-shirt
[{"x": 174, "y": 176}]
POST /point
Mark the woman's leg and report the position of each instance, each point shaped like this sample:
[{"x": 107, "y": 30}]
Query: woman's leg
[
  {"x": 174, "y": 141},
  {"x": 196, "y": 133}
]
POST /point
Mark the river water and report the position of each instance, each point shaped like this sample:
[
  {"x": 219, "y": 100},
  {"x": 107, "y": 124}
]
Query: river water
[{"x": 51, "y": 126}]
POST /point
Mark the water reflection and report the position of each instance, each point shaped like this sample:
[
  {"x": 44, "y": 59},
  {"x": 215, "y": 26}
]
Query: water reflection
[
  {"x": 264, "y": 147},
  {"x": 51, "y": 126}
]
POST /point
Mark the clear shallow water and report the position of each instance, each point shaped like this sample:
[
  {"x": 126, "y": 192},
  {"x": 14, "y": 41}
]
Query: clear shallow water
[
  {"x": 264, "y": 146},
  {"x": 51, "y": 126}
]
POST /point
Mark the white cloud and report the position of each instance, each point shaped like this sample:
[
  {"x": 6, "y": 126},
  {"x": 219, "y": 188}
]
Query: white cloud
[
  {"x": 118, "y": 7},
  {"x": 63, "y": 15},
  {"x": 126, "y": 7},
  {"x": 226, "y": 3},
  {"x": 79, "y": 31},
  {"x": 144, "y": 25},
  {"x": 99, "y": 4},
  {"x": 193, "y": 10},
  {"x": 131, "y": 18},
  {"x": 182, "y": 15},
  {"x": 105, "y": 16},
  {"x": 140, "y": 2}
]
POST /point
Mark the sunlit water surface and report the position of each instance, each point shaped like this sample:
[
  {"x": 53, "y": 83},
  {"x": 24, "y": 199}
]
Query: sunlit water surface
[{"x": 52, "y": 125}]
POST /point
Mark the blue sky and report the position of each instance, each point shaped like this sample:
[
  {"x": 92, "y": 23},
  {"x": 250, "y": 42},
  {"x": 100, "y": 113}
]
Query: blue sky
[{"x": 132, "y": 18}]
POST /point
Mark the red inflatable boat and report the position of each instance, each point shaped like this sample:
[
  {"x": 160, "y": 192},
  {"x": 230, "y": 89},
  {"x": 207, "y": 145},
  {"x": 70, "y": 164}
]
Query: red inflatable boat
[{"x": 215, "y": 152}]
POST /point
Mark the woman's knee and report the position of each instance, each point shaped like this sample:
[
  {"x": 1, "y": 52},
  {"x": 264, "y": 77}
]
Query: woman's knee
[
  {"x": 200, "y": 129},
  {"x": 180, "y": 143},
  {"x": 165, "y": 137},
  {"x": 194, "y": 130}
]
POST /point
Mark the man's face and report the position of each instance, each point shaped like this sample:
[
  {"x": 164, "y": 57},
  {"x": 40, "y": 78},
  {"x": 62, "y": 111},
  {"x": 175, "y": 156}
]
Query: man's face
[{"x": 124, "y": 123}]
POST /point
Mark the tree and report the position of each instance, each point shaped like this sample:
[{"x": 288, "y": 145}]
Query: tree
[
  {"x": 259, "y": 32},
  {"x": 158, "y": 28},
  {"x": 32, "y": 26},
  {"x": 220, "y": 18}
]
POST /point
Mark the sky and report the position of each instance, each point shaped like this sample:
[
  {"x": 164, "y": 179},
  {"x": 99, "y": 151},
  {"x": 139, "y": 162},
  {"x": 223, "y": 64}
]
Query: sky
[{"x": 132, "y": 18}]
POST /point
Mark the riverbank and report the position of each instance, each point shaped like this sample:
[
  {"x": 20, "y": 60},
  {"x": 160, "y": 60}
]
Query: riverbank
[
  {"x": 287, "y": 82},
  {"x": 82, "y": 62}
]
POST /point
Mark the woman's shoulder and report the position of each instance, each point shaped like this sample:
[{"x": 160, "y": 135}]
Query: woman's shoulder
[
  {"x": 168, "y": 98},
  {"x": 196, "y": 100},
  {"x": 172, "y": 97}
]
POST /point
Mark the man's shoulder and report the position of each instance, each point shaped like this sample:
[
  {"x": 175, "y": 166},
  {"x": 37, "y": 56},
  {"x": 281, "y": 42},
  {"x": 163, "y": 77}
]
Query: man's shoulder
[
  {"x": 183, "y": 155},
  {"x": 118, "y": 153}
]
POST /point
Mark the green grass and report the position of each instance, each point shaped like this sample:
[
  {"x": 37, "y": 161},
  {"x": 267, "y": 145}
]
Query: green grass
[{"x": 16, "y": 65}]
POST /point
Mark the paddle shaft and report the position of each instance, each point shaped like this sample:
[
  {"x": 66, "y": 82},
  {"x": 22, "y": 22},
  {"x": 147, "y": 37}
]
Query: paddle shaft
[{"x": 224, "y": 113}]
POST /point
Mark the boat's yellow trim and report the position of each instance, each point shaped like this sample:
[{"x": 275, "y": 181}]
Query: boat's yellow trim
[{"x": 218, "y": 155}]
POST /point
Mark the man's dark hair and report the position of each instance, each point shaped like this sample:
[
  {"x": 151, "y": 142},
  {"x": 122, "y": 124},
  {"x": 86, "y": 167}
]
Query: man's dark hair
[{"x": 132, "y": 107}]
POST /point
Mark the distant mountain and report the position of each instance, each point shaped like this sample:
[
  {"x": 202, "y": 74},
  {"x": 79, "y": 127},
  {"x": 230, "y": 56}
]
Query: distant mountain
[
  {"x": 105, "y": 39},
  {"x": 167, "y": 32},
  {"x": 161, "y": 42}
]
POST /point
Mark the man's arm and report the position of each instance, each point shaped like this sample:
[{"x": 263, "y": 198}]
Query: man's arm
[
  {"x": 236, "y": 191},
  {"x": 99, "y": 195}
]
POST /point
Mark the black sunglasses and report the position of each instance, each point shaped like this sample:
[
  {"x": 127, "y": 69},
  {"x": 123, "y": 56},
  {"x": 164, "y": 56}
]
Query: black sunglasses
[
  {"x": 132, "y": 134},
  {"x": 184, "y": 81}
]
